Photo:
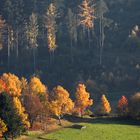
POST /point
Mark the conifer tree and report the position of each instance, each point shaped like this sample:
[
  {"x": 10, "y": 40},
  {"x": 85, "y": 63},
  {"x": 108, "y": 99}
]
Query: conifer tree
[
  {"x": 32, "y": 34},
  {"x": 72, "y": 28},
  {"x": 3, "y": 127},
  {"x": 2, "y": 30},
  {"x": 9, "y": 114},
  {"x": 86, "y": 14},
  {"x": 87, "y": 17},
  {"x": 101, "y": 9},
  {"x": 105, "y": 106},
  {"x": 50, "y": 24}
]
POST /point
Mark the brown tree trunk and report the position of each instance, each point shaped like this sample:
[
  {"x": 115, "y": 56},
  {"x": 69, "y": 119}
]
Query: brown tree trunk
[{"x": 59, "y": 119}]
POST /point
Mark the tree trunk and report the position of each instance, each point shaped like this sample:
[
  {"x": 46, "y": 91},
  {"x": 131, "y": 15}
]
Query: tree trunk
[
  {"x": 8, "y": 51},
  {"x": 101, "y": 40},
  {"x": 59, "y": 119},
  {"x": 89, "y": 37},
  {"x": 5, "y": 137},
  {"x": 71, "y": 50},
  {"x": 17, "y": 47},
  {"x": 12, "y": 137},
  {"x": 34, "y": 56}
]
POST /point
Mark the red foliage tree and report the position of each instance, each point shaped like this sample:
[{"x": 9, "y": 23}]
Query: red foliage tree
[
  {"x": 33, "y": 107},
  {"x": 122, "y": 106}
]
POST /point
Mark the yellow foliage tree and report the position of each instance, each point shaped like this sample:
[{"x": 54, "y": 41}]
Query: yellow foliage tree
[
  {"x": 36, "y": 86},
  {"x": 50, "y": 24},
  {"x": 60, "y": 102},
  {"x": 13, "y": 84},
  {"x": 86, "y": 14},
  {"x": 3, "y": 127},
  {"x": 24, "y": 86},
  {"x": 82, "y": 99},
  {"x": 105, "y": 106},
  {"x": 21, "y": 112}
]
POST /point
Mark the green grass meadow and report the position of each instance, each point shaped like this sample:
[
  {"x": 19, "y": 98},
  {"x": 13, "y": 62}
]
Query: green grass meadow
[{"x": 99, "y": 129}]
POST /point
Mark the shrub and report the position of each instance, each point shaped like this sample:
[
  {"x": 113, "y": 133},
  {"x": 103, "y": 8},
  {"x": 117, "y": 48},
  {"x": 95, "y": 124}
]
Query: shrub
[{"x": 134, "y": 105}]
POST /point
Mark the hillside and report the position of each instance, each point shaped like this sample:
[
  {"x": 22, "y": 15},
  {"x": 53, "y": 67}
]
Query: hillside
[{"x": 79, "y": 61}]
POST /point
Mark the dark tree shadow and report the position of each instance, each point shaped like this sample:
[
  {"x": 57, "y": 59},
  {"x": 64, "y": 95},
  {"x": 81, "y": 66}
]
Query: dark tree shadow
[
  {"x": 41, "y": 138},
  {"x": 104, "y": 120}
]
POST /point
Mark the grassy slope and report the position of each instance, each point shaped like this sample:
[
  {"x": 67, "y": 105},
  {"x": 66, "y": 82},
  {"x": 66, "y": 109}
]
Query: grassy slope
[{"x": 96, "y": 129}]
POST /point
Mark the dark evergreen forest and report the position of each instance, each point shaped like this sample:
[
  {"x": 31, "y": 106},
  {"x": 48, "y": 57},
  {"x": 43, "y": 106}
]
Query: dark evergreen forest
[{"x": 106, "y": 57}]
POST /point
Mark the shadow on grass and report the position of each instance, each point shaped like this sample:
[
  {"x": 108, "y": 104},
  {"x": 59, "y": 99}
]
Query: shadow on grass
[
  {"x": 41, "y": 138},
  {"x": 104, "y": 120}
]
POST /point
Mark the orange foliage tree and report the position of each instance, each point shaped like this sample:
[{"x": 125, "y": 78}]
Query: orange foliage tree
[
  {"x": 122, "y": 106},
  {"x": 82, "y": 99},
  {"x": 60, "y": 102},
  {"x": 105, "y": 106},
  {"x": 33, "y": 107},
  {"x": 3, "y": 87},
  {"x": 12, "y": 83},
  {"x": 36, "y": 86},
  {"x": 35, "y": 98}
]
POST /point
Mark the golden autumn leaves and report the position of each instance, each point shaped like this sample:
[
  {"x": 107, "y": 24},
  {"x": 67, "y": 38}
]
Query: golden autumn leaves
[
  {"x": 54, "y": 103},
  {"x": 82, "y": 98},
  {"x": 87, "y": 14},
  {"x": 86, "y": 19},
  {"x": 50, "y": 24},
  {"x": 13, "y": 88},
  {"x": 59, "y": 101}
]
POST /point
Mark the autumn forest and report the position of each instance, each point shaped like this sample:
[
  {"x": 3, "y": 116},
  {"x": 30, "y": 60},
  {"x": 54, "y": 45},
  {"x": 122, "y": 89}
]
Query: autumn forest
[{"x": 68, "y": 61}]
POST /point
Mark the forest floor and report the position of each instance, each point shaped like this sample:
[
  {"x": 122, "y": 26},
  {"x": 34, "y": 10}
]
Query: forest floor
[{"x": 97, "y": 129}]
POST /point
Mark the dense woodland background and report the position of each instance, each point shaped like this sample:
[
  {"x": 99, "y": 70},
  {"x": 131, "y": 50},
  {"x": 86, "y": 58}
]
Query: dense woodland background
[{"x": 79, "y": 60}]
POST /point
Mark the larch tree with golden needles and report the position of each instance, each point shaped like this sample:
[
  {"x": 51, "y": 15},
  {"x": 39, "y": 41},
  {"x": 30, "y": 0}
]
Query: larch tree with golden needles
[
  {"x": 122, "y": 107},
  {"x": 86, "y": 16},
  {"x": 82, "y": 99},
  {"x": 60, "y": 102},
  {"x": 105, "y": 105},
  {"x": 50, "y": 24},
  {"x": 32, "y": 34}
]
